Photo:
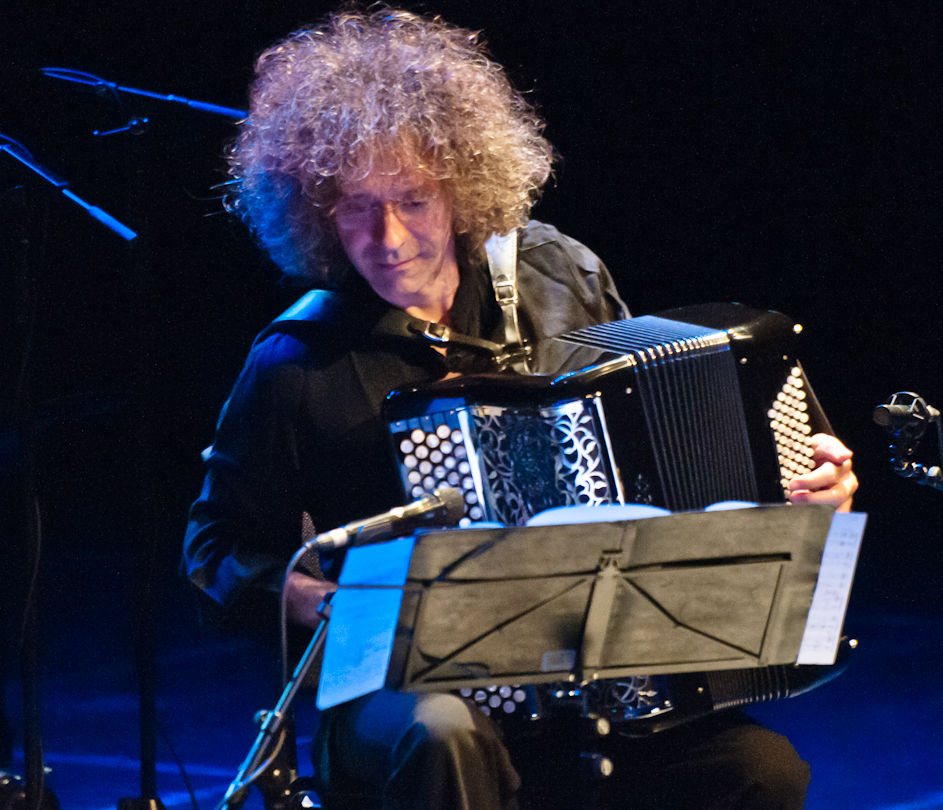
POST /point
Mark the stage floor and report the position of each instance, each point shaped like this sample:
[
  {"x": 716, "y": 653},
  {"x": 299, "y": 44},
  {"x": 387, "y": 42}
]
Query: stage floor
[{"x": 874, "y": 736}]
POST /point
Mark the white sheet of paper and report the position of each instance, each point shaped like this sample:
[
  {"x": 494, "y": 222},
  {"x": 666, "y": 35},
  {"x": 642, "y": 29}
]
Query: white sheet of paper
[
  {"x": 364, "y": 612},
  {"x": 832, "y": 590}
]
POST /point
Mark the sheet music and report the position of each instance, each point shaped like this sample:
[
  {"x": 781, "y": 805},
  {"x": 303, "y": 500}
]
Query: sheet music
[
  {"x": 832, "y": 590},
  {"x": 363, "y": 621}
]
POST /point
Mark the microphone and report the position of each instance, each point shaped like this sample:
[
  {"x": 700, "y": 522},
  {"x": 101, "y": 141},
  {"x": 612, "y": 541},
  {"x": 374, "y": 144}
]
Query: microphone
[
  {"x": 905, "y": 410},
  {"x": 445, "y": 506}
]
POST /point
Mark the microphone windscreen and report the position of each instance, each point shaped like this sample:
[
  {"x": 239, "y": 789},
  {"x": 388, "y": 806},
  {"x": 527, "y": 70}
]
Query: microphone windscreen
[{"x": 453, "y": 501}]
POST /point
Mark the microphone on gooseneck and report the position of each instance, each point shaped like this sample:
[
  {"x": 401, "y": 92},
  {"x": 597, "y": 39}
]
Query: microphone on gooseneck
[
  {"x": 905, "y": 410},
  {"x": 444, "y": 507}
]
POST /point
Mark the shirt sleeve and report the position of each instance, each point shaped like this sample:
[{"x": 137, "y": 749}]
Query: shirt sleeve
[{"x": 247, "y": 520}]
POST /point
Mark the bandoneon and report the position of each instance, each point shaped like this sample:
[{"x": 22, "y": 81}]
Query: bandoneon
[{"x": 679, "y": 410}]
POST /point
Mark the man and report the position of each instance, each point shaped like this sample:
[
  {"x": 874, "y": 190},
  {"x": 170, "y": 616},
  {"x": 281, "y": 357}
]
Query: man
[{"x": 381, "y": 152}]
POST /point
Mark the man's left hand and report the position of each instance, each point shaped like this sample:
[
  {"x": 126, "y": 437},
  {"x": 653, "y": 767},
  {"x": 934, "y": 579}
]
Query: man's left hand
[{"x": 832, "y": 481}]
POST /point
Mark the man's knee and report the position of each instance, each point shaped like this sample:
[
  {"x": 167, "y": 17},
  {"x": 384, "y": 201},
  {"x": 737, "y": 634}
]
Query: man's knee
[
  {"x": 770, "y": 770},
  {"x": 445, "y": 728},
  {"x": 725, "y": 761},
  {"x": 451, "y": 756},
  {"x": 443, "y": 716}
]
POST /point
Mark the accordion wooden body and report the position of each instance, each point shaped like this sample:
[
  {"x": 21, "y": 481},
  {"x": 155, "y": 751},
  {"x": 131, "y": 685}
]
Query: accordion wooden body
[{"x": 680, "y": 410}]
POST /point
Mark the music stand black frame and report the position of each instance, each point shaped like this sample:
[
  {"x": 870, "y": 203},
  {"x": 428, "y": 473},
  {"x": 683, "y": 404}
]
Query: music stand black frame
[{"x": 687, "y": 592}]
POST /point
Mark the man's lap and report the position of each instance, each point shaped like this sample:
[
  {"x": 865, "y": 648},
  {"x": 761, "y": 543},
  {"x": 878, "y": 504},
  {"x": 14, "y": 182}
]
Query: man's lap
[{"x": 723, "y": 761}]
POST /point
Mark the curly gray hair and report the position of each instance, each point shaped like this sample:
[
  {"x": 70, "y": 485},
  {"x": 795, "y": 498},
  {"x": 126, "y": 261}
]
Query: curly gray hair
[{"x": 391, "y": 91}]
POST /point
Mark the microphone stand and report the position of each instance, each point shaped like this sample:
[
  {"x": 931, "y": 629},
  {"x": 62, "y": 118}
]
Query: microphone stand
[
  {"x": 274, "y": 724},
  {"x": 18, "y": 152},
  {"x": 146, "y": 525},
  {"x": 145, "y": 631},
  {"x": 906, "y": 417},
  {"x": 36, "y": 792},
  {"x": 79, "y": 77},
  {"x": 446, "y": 506}
]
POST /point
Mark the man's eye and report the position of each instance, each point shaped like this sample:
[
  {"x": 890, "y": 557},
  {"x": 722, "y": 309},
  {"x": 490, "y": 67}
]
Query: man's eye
[{"x": 352, "y": 209}]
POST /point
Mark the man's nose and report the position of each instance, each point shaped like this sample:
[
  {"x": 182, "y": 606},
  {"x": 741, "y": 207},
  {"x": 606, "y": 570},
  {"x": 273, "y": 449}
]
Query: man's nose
[{"x": 393, "y": 232}]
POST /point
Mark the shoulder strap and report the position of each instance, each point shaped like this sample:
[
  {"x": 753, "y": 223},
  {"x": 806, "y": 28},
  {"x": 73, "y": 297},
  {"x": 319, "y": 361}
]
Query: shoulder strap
[
  {"x": 397, "y": 323},
  {"x": 502, "y": 264},
  {"x": 333, "y": 310}
]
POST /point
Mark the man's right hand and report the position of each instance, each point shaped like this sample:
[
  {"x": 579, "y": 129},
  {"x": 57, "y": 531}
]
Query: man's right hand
[{"x": 303, "y": 595}]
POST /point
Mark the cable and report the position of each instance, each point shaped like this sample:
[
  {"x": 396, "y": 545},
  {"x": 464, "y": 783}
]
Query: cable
[
  {"x": 227, "y": 800},
  {"x": 183, "y": 771},
  {"x": 28, "y": 641}
]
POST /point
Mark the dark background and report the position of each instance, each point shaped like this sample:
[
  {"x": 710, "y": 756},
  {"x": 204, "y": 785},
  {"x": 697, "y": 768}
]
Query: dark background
[{"x": 784, "y": 155}]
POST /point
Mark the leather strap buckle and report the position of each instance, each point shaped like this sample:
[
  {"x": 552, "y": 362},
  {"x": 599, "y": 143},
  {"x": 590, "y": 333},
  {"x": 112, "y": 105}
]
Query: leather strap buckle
[
  {"x": 505, "y": 291},
  {"x": 436, "y": 332}
]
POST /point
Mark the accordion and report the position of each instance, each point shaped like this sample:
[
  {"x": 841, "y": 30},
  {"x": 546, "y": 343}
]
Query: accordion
[{"x": 679, "y": 410}]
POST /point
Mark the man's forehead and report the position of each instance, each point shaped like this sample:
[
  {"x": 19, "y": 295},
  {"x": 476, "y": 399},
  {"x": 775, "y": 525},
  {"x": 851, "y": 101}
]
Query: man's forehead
[{"x": 387, "y": 186}]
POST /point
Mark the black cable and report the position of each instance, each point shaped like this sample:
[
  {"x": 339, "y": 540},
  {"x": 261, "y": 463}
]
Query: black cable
[
  {"x": 176, "y": 757},
  {"x": 939, "y": 440},
  {"x": 25, "y": 430}
]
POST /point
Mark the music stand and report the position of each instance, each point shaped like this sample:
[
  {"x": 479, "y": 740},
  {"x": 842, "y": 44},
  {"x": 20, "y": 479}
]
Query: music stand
[
  {"x": 682, "y": 593},
  {"x": 688, "y": 592}
]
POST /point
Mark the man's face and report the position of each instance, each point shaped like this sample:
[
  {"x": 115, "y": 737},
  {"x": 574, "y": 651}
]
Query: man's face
[{"x": 397, "y": 232}]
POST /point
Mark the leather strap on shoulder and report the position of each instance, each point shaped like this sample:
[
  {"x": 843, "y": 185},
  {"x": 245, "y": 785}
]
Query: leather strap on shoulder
[
  {"x": 396, "y": 323},
  {"x": 502, "y": 264},
  {"x": 333, "y": 310}
]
